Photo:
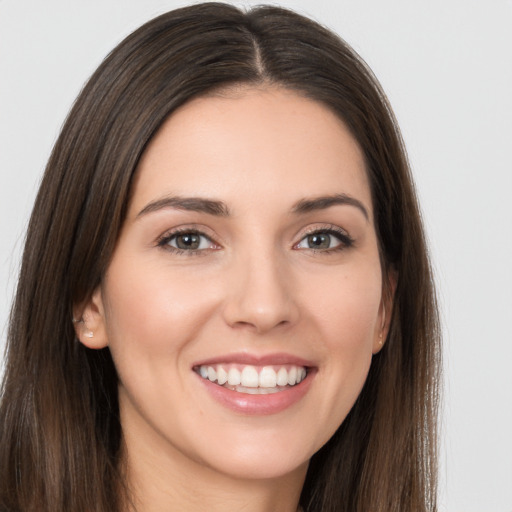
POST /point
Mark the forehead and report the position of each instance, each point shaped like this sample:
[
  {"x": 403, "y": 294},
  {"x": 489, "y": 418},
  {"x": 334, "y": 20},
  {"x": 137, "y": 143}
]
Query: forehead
[{"x": 249, "y": 145}]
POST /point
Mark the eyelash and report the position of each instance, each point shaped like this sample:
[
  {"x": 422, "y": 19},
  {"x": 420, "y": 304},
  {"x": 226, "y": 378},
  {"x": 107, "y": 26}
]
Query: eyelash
[
  {"x": 164, "y": 242},
  {"x": 346, "y": 241}
]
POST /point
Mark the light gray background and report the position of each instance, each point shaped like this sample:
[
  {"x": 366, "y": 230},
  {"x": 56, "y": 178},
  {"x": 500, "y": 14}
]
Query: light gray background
[{"x": 447, "y": 68}]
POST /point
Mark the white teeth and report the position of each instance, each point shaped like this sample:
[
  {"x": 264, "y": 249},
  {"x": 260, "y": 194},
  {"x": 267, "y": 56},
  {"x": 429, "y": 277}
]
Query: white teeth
[
  {"x": 212, "y": 374},
  {"x": 269, "y": 378},
  {"x": 292, "y": 376},
  {"x": 257, "y": 391},
  {"x": 249, "y": 377},
  {"x": 233, "y": 377},
  {"x": 282, "y": 377},
  {"x": 222, "y": 375}
]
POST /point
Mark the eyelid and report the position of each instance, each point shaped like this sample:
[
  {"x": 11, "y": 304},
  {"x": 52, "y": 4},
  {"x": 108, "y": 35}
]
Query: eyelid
[
  {"x": 346, "y": 240},
  {"x": 163, "y": 240}
]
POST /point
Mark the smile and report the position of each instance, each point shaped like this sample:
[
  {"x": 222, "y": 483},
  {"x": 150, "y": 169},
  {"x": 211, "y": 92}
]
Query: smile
[
  {"x": 256, "y": 384},
  {"x": 254, "y": 380}
]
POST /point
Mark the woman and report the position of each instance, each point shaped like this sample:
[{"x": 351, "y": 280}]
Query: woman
[{"x": 225, "y": 299}]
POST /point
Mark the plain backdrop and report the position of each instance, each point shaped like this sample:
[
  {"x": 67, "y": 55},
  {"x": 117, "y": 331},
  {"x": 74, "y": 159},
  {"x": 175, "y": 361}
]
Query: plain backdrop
[{"x": 447, "y": 68}]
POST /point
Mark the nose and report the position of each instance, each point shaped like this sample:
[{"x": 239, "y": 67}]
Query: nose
[{"x": 260, "y": 294}]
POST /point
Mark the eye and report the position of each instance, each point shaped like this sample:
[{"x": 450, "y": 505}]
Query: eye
[
  {"x": 325, "y": 240},
  {"x": 189, "y": 241}
]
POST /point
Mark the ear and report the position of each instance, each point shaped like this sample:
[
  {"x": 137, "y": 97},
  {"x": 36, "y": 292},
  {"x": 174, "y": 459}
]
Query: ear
[
  {"x": 385, "y": 310},
  {"x": 89, "y": 321}
]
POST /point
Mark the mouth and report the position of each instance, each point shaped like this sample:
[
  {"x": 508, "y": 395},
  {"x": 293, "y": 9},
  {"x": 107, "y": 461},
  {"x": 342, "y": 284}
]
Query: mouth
[
  {"x": 256, "y": 384},
  {"x": 253, "y": 379}
]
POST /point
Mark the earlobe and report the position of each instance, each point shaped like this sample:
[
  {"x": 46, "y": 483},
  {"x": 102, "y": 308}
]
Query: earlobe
[
  {"x": 386, "y": 308},
  {"x": 382, "y": 332},
  {"x": 89, "y": 321}
]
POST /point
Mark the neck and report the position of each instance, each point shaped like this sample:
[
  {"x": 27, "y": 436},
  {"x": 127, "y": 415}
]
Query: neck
[{"x": 161, "y": 480}]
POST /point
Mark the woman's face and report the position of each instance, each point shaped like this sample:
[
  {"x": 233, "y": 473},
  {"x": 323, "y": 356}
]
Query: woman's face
[{"x": 242, "y": 304}]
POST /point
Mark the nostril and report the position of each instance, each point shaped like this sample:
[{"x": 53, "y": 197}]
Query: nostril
[
  {"x": 258, "y": 326},
  {"x": 258, "y": 297}
]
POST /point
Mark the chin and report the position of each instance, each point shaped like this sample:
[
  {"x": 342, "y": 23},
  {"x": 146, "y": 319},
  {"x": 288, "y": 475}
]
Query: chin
[
  {"x": 263, "y": 452},
  {"x": 261, "y": 466}
]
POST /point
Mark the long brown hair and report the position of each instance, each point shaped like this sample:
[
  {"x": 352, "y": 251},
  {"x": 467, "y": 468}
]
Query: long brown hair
[{"x": 60, "y": 435}]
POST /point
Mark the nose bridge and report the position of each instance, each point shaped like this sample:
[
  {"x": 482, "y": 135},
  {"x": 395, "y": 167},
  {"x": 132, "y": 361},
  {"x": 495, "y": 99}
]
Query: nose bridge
[{"x": 260, "y": 295}]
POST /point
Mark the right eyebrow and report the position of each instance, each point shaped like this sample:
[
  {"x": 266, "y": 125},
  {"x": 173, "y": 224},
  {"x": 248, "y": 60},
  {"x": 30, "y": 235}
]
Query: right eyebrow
[
  {"x": 193, "y": 204},
  {"x": 323, "y": 202}
]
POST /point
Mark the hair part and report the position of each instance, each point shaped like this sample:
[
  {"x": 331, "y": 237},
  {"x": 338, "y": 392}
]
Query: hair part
[{"x": 60, "y": 434}]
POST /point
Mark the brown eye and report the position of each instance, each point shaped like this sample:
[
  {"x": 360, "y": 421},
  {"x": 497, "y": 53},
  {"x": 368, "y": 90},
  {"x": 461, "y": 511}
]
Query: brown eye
[
  {"x": 319, "y": 241},
  {"x": 188, "y": 241},
  {"x": 325, "y": 240}
]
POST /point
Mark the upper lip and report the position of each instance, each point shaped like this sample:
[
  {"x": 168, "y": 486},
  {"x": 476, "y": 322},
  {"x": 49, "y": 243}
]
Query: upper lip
[{"x": 256, "y": 360}]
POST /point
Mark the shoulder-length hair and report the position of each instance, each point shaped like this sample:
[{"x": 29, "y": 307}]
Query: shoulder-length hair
[{"x": 60, "y": 435}]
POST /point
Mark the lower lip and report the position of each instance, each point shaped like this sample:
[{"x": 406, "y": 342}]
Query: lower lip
[{"x": 271, "y": 403}]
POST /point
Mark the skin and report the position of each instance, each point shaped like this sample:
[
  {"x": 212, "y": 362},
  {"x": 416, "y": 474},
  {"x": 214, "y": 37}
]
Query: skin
[{"x": 257, "y": 288}]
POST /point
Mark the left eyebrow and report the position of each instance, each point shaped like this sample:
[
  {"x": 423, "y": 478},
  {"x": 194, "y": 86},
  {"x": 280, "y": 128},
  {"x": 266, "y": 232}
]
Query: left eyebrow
[
  {"x": 194, "y": 204},
  {"x": 321, "y": 203}
]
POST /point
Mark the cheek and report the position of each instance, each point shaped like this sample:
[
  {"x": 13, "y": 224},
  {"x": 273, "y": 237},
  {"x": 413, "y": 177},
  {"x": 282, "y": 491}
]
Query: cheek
[
  {"x": 347, "y": 308},
  {"x": 346, "y": 316},
  {"x": 154, "y": 312}
]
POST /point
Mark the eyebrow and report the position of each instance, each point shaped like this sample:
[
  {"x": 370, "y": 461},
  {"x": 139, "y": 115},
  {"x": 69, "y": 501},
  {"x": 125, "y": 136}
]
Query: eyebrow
[
  {"x": 323, "y": 202},
  {"x": 193, "y": 204},
  {"x": 220, "y": 209}
]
